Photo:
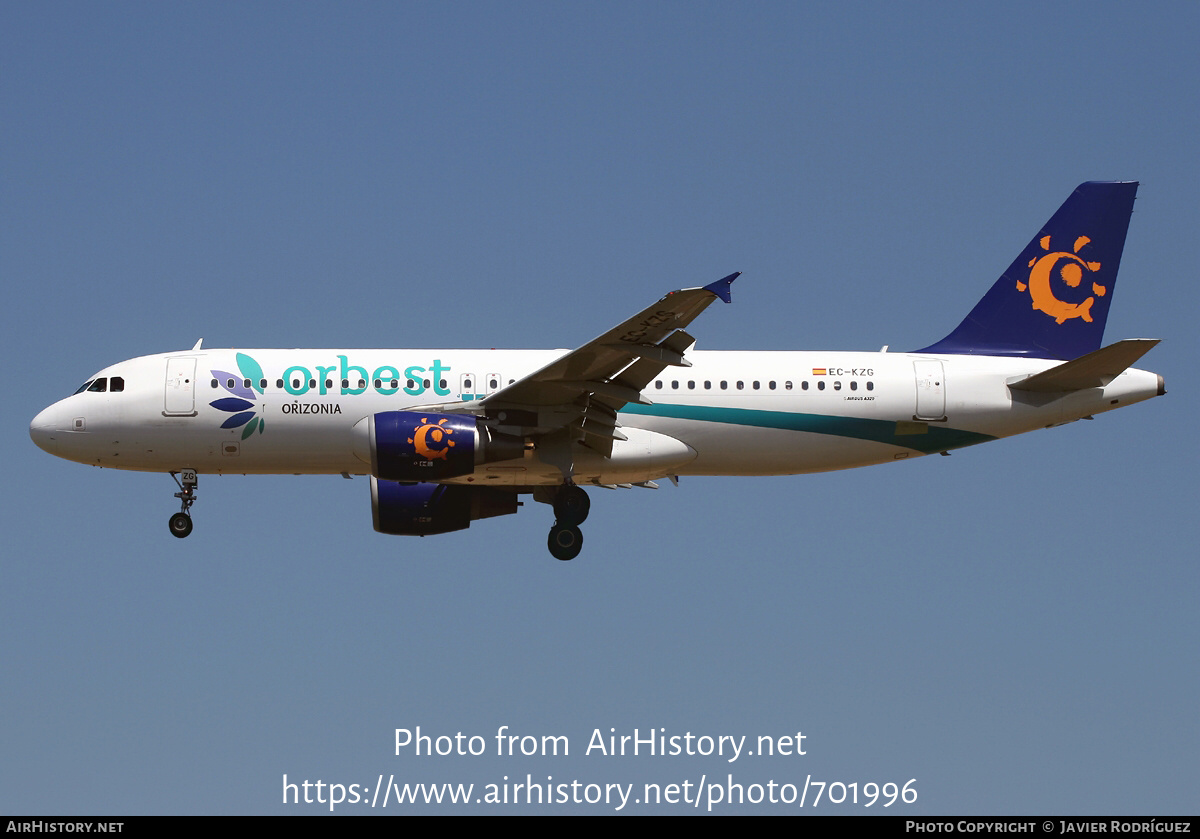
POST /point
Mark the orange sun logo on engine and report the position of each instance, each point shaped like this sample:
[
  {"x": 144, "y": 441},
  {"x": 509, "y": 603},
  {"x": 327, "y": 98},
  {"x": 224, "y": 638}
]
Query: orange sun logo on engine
[
  {"x": 432, "y": 441},
  {"x": 1066, "y": 268}
]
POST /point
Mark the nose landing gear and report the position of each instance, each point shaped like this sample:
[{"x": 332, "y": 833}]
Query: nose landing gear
[
  {"x": 181, "y": 523},
  {"x": 571, "y": 508}
]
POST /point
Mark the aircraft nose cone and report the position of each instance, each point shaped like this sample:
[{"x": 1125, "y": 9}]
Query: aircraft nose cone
[{"x": 44, "y": 431}]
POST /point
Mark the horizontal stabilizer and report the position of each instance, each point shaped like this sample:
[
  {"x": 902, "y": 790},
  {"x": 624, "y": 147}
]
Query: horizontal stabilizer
[{"x": 1096, "y": 369}]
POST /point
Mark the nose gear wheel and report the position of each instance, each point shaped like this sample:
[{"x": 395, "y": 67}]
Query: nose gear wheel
[{"x": 181, "y": 522}]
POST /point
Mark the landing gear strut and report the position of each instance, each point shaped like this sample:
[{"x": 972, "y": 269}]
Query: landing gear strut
[
  {"x": 181, "y": 522},
  {"x": 571, "y": 507}
]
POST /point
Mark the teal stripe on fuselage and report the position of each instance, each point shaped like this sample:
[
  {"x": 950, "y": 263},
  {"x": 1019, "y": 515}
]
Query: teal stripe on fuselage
[{"x": 932, "y": 439}]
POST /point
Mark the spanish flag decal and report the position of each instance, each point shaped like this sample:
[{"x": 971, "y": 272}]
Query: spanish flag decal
[{"x": 819, "y": 371}]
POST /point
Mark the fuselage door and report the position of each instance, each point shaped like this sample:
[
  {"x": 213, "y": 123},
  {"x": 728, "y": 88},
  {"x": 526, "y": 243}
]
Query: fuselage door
[
  {"x": 931, "y": 391},
  {"x": 467, "y": 387},
  {"x": 180, "y": 399}
]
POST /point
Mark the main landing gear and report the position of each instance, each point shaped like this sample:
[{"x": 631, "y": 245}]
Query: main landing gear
[
  {"x": 181, "y": 522},
  {"x": 571, "y": 507}
]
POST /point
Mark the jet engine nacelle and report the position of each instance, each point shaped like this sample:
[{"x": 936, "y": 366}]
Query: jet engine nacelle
[
  {"x": 426, "y": 509},
  {"x": 420, "y": 446}
]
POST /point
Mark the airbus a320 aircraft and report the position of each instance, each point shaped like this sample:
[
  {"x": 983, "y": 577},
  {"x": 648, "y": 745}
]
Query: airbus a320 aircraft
[{"x": 451, "y": 436}]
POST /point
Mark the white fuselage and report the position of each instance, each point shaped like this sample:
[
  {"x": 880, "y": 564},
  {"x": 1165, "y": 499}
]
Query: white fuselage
[{"x": 730, "y": 413}]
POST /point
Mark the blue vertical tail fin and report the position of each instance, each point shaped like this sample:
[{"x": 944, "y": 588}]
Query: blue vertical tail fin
[{"x": 1053, "y": 301}]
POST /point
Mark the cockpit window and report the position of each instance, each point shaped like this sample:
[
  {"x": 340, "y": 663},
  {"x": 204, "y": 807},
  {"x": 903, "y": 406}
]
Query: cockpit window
[
  {"x": 99, "y": 386},
  {"x": 84, "y": 386},
  {"x": 116, "y": 384}
]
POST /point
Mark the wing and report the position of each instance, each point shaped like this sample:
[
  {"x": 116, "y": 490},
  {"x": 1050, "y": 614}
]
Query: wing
[{"x": 582, "y": 391}]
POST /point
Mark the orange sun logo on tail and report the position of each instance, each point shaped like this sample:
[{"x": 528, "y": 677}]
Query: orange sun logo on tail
[
  {"x": 432, "y": 441},
  {"x": 1066, "y": 268}
]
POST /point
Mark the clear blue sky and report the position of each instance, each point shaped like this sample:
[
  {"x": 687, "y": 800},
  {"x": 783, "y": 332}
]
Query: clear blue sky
[{"x": 1014, "y": 626}]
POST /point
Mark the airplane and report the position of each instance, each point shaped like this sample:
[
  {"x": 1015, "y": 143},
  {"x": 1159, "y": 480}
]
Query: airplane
[{"x": 449, "y": 437}]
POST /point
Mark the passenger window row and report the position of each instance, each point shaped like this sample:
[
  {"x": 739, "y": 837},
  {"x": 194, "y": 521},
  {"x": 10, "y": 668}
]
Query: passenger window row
[
  {"x": 329, "y": 383},
  {"x": 116, "y": 384},
  {"x": 756, "y": 385}
]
